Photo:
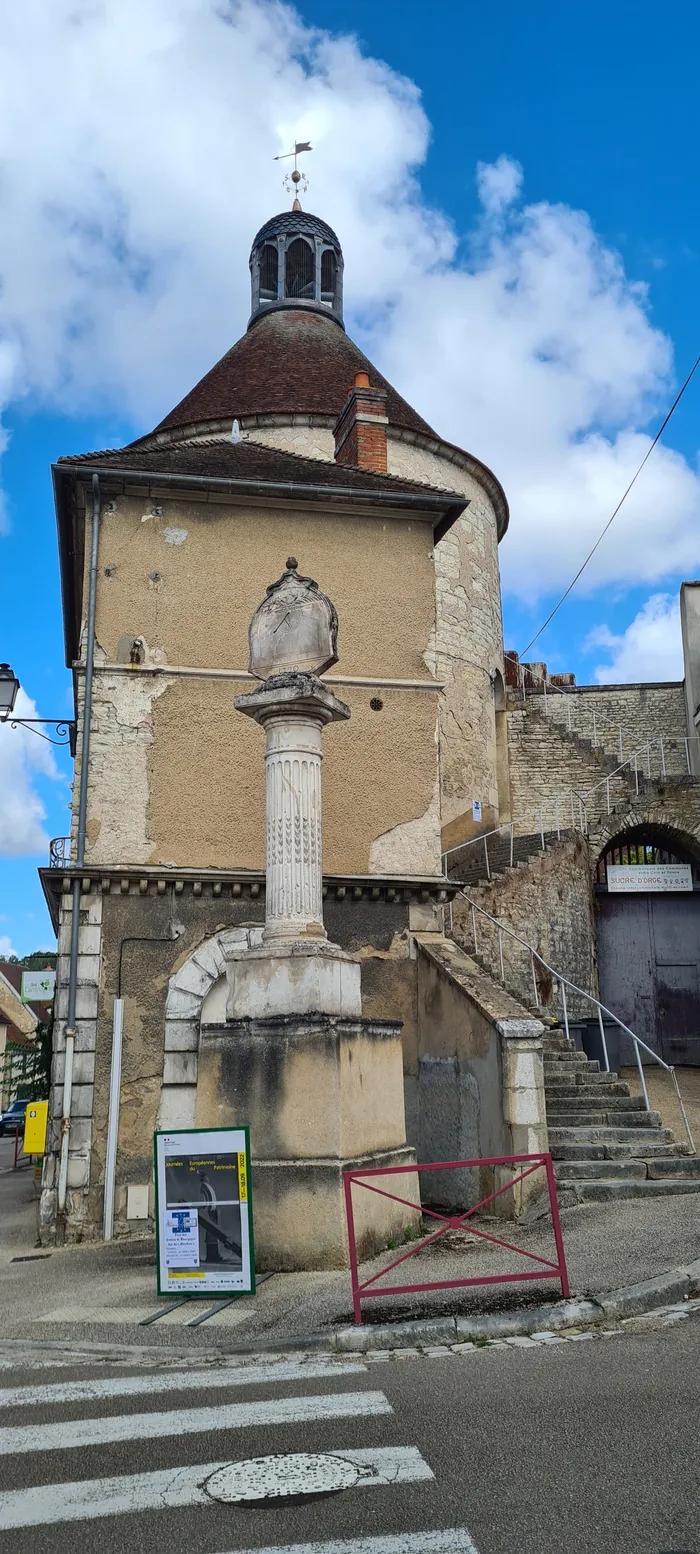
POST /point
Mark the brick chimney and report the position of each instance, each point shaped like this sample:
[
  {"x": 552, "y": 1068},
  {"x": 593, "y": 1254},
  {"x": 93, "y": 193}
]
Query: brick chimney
[{"x": 360, "y": 430}]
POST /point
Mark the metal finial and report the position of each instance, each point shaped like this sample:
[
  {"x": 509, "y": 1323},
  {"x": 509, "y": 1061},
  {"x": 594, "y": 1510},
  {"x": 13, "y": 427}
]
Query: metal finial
[
  {"x": 292, "y": 563},
  {"x": 295, "y": 179}
]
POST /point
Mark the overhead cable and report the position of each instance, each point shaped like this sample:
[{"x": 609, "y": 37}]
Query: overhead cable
[{"x": 613, "y": 515}]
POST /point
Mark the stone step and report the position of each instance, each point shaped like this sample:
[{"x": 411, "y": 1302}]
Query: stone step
[
  {"x": 636, "y": 1143},
  {"x": 596, "y": 1097},
  {"x": 599, "y": 1170},
  {"x": 566, "y": 1059},
  {"x": 603, "y": 1117},
  {"x": 582, "y": 1151},
  {"x": 622, "y": 1105},
  {"x": 681, "y": 1165},
  {"x": 594, "y": 1085},
  {"x": 570, "y": 1193}
]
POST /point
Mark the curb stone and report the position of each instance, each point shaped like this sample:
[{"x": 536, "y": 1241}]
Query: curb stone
[{"x": 565, "y": 1317}]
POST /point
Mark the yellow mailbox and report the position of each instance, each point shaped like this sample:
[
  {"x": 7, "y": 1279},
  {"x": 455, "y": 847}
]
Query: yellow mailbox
[{"x": 36, "y": 1118}]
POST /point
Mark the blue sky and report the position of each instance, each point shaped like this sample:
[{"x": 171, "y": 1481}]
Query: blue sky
[{"x": 541, "y": 311}]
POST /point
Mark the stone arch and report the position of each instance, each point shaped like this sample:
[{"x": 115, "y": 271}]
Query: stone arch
[
  {"x": 647, "y": 934},
  {"x": 661, "y": 817},
  {"x": 197, "y": 982}
]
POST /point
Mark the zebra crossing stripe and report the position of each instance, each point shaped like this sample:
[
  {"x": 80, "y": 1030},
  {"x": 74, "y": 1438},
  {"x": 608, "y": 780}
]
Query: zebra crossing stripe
[
  {"x": 445, "y": 1540},
  {"x": 172, "y": 1488},
  {"x": 55, "y": 1394},
  {"x": 71, "y": 1433}
]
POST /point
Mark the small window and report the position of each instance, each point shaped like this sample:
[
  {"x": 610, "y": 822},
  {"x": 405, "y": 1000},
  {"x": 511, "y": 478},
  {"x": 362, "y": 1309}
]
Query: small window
[
  {"x": 299, "y": 269},
  {"x": 268, "y": 271},
  {"x": 329, "y": 275}
]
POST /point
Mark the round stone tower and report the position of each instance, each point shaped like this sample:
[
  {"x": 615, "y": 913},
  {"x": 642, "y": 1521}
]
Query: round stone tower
[{"x": 286, "y": 383}]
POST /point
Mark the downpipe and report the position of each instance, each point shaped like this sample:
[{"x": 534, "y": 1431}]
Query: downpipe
[{"x": 79, "y": 860}]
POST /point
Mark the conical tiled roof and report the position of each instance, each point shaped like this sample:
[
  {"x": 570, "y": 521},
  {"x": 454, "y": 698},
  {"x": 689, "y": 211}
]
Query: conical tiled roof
[{"x": 289, "y": 362}]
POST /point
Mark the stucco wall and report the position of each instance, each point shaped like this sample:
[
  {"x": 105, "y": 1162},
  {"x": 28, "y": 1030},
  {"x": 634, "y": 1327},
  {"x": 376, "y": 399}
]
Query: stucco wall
[
  {"x": 176, "y": 775},
  {"x": 468, "y": 639},
  {"x": 189, "y": 579},
  {"x": 481, "y": 1086}
]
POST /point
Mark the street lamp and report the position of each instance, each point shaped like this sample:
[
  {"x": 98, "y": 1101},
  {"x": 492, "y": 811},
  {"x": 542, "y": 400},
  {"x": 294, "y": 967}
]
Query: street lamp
[{"x": 9, "y": 686}]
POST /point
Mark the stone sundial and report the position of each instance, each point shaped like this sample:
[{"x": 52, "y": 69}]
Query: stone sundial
[{"x": 294, "y": 629}]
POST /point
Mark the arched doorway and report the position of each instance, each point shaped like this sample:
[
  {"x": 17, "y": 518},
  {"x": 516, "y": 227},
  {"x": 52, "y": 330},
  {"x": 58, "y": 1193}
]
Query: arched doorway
[{"x": 648, "y": 905}]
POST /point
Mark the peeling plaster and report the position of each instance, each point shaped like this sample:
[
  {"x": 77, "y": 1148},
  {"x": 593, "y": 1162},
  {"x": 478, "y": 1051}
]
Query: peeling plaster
[{"x": 412, "y": 847}]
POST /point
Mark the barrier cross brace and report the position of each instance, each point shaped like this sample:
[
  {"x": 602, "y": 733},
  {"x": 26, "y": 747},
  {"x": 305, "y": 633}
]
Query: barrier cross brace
[{"x": 530, "y": 1163}]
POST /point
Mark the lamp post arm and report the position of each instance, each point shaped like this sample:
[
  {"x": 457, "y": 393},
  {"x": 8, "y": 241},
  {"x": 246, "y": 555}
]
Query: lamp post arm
[{"x": 65, "y": 728}]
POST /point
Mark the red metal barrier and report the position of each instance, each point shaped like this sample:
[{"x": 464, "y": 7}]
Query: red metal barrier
[
  {"x": 547, "y": 1269},
  {"x": 19, "y": 1151}
]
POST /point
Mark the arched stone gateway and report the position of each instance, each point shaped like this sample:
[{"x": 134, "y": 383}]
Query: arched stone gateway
[
  {"x": 196, "y": 996},
  {"x": 647, "y": 889}
]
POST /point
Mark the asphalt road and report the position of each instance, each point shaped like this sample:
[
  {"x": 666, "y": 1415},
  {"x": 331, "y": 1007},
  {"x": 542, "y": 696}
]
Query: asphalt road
[{"x": 587, "y": 1447}]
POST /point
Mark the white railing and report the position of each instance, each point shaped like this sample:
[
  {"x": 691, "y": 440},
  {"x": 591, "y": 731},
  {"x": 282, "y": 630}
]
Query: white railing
[
  {"x": 564, "y": 983},
  {"x": 570, "y": 810}
]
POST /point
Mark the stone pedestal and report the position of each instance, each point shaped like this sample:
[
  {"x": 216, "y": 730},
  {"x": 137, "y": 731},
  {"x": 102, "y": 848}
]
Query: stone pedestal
[{"x": 322, "y": 1095}]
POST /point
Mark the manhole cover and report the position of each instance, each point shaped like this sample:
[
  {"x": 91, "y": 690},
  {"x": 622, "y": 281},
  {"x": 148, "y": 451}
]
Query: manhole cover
[{"x": 269, "y": 1478}]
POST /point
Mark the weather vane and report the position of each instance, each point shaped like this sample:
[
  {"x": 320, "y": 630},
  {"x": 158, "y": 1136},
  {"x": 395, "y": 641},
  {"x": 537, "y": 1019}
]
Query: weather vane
[{"x": 294, "y": 179}]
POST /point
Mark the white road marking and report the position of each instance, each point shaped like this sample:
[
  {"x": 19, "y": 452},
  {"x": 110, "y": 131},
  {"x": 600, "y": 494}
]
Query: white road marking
[
  {"x": 189, "y": 1421},
  {"x": 446, "y": 1540},
  {"x": 171, "y": 1488},
  {"x": 58, "y": 1393},
  {"x": 117, "y": 1315}
]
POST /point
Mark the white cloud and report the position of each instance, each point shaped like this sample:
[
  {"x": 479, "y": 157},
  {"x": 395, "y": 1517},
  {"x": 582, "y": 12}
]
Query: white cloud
[
  {"x": 6, "y": 947},
  {"x": 649, "y": 649},
  {"x": 130, "y": 199},
  {"x": 499, "y": 183},
  {"x": 23, "y": 756}
]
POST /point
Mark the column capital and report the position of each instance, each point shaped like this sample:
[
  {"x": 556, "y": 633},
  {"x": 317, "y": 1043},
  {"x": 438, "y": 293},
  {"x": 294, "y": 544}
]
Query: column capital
[{"x": 294, "y": 694}]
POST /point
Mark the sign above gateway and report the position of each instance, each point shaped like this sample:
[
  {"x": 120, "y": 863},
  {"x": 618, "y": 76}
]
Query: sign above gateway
[{"x": 649, "y": 876}]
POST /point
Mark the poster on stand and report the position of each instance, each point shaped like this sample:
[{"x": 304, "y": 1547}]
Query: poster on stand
[{"x": 204, "y": 1212}]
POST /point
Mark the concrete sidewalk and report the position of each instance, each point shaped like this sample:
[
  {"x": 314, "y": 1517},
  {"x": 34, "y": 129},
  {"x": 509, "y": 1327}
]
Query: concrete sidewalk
[{"x": 100, "y": 1294}]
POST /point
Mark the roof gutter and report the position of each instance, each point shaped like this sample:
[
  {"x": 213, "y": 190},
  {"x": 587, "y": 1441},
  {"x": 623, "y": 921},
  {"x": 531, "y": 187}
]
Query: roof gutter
[{"x": 428, "y": 501}]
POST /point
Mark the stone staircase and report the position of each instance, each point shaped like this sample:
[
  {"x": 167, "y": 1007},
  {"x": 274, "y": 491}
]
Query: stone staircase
[
  {"x": 468, "y": 865},
  {"x": 603, "y": 1142}
]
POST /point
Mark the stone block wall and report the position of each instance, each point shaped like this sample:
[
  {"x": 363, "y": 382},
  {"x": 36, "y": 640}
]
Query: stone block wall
[
  {"x": 624, "y": 717},
  {"x": 82, "y": 1104},
  {"x": 549, "y": 768},
  {"x": 548, "y": 902},
  {"x": 466, "y": 650}
]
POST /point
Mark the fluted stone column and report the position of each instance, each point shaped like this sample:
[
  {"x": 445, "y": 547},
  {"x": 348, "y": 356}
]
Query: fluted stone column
[
  {"x": 296, "y": 967},
  {"x": 293, "y": 710}
]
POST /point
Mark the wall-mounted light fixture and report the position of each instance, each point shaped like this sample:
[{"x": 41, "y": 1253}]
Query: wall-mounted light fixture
[{"x": 9, "y": 687}]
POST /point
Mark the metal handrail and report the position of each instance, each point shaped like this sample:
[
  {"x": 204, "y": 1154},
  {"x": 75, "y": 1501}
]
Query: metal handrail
[
  {"x": 602, "y": 1009},
  {"x": 571, "y": 799}
]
